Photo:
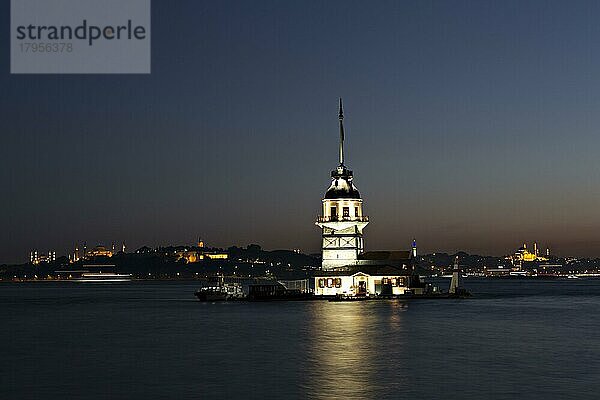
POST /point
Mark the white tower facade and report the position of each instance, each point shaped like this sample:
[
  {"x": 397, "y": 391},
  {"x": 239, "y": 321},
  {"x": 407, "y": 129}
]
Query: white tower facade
[
  {"x": 342, "y": 220},
  {"x": 455, "y": 282}
]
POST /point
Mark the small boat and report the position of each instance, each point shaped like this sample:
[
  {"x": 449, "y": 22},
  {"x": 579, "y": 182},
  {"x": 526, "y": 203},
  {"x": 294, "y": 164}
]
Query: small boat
[
  {"x": 213, "y": 293},
  {"x": 220, "y": 292},
  {"x": 572, "y": 276}
]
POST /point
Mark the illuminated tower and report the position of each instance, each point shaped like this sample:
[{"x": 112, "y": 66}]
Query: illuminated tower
[
  {"x": 414, "y": 249},
  {"x": 342, "y": 220},
  {"x": 455, "y": 282}
]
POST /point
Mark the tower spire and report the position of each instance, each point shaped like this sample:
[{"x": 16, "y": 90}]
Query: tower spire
[{"x": 341, "y": 118}]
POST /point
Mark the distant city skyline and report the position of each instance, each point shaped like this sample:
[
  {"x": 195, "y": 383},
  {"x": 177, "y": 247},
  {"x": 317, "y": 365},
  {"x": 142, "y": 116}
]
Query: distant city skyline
[{"x": 469, "y": 126}]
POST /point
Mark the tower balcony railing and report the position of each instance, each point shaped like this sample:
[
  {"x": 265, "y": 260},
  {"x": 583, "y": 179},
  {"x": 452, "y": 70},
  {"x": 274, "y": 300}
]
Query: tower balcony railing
[{"x": 335, "y": 218}]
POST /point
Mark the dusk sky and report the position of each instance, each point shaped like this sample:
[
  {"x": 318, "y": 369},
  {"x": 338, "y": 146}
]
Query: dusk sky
[{"x": 470, "y": 125}]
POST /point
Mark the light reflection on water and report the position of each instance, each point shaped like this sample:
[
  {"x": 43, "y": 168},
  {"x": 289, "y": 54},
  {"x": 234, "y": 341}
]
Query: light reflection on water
[{"x": 348, "y": 348}]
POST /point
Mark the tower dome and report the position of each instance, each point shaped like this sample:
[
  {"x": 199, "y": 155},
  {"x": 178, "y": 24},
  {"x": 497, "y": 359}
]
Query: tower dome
[{"x": 342, "y": 186}]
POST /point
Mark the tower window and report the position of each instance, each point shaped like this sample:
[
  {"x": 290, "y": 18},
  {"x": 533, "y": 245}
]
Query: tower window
[
  {"x": 346, "y": 212},
  {"x": 333, "y": 213},
  {"x": 356, "y": 211}
]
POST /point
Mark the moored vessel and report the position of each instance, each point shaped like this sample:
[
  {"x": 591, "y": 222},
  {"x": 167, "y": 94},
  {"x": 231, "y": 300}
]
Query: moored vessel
[{"x": 220, "y": 291}]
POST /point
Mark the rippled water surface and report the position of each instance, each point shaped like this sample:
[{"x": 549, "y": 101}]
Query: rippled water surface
[{"x": 515, "y": 339}]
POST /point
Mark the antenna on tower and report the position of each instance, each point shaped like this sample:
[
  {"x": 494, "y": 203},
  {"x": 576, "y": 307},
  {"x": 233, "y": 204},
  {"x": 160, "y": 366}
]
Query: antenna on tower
[{"x": 341, "y": 118}]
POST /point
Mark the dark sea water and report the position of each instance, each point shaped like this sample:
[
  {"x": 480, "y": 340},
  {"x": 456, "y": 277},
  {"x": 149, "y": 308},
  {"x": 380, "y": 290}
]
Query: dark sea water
[{"x": 517, "y": 339}]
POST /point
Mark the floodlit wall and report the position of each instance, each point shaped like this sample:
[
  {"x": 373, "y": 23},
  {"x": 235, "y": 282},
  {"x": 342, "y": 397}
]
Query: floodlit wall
[{"x": 349, "y": 284}]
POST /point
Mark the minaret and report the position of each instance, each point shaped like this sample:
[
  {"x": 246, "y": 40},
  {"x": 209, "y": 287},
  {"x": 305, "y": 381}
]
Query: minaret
[
  {"x": 342, "y": 220},
  {"x": 414, "y": 249}
]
